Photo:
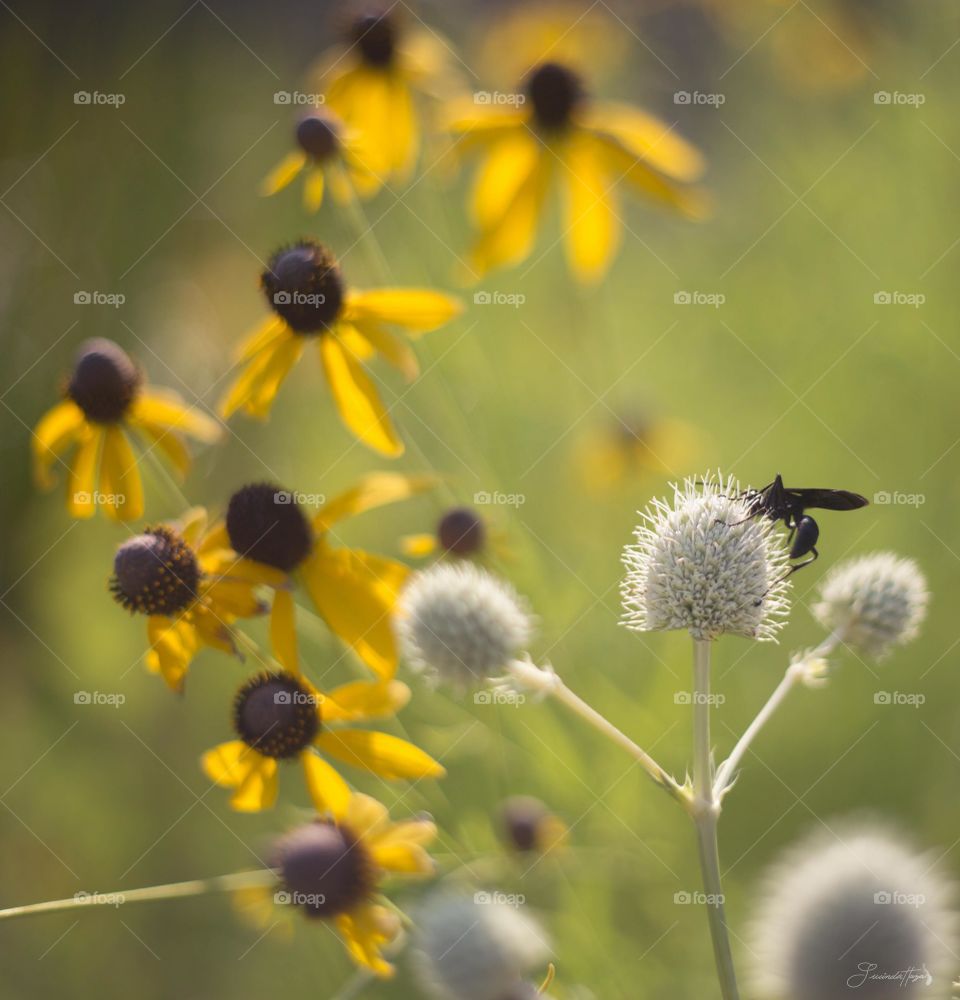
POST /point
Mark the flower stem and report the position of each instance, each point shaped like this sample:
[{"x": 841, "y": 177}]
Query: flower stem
[
  {"x": 706, "y": 812},
  {"x": 261, "y": 877},
  {"x": 796, "y": 672}
]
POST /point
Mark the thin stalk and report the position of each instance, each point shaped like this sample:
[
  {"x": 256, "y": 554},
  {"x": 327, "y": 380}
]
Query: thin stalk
[
  {"x": 706, "y": 812},
  {"x": 262, "y": 877}
]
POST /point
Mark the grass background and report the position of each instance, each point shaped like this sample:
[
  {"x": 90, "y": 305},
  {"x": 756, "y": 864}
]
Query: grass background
[{"x": 823, "y": 199}]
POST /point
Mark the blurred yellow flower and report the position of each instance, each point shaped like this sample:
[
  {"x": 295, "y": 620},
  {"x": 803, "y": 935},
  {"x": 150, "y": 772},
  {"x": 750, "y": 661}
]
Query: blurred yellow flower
[
  {"x": 305, "y": 289},
  {"x": 106, "y": 403},
  {"x": 332, "y": 869},
  {"x": 283, "y": 717},
  {"x": 461, "y": 532},
  {"x": 553, "y": 136},
  {"x": 355, "y": 592},
  {"x": 329, "y": 155},
  {"x": 191, "y": 588},
  {"x": 373, "y": 82}
]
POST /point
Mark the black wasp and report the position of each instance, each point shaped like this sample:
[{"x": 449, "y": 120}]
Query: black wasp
[{"x": 781, "y": 504}]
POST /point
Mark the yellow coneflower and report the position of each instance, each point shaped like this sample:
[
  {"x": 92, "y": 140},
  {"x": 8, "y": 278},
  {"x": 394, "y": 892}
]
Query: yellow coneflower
[
  {"x": 106, "y": 402},
  {"x": 283, "y": 717},
  {"x": 305, "y": 289},
  {"x": 332, "y": 868},
  {"x": 373, "y": 82},
  {"x": 460, "y": 532},
  {"x": 353, "y": 591},
  {"x": 191, "y": 589},
  {"x": 330, "y": 155},
  {"x": 631, "y": 445},
  {"x": 558, "y": 138}
]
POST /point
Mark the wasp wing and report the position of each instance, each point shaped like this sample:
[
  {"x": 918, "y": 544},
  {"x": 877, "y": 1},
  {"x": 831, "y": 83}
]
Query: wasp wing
[{"x": 828, "y": 499}]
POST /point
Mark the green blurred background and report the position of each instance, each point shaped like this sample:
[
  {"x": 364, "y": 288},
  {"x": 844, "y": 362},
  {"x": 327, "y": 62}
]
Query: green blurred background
[{"x": 823, "y": 199}]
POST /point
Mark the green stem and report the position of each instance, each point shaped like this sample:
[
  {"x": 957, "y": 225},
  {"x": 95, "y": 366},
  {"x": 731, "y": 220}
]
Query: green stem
[
  {"x": 706, "y": 813},
  {"x": 262, "y": 877}
]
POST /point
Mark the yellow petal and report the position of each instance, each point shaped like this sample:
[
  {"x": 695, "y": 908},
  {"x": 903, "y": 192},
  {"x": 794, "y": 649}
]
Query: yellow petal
[
  {"x": 409, "y": 859},
  {"x": 57, "y": 429},
  {"x": 120, "y": 484},
  {"x": 173, "y": 644},
  {"x": 418, "y": 310},
  {"x": 329, "y": 792},
  {"x": 411, "y": 831},
  {"x": 364, "y": 930},
  {"x": 82, "y": 480},
  {"x": 256, "y": 387},
  {"x": 313, "y": 189},
  {"x": 355, "y": 593},
  {"x": 263, "y": 336},
  {"x": 229, "y": 764},
  {"x": 380, "y": 753},
  {"x": 283, "y": 631},
  {"x": 169, "y": 444},
  {"x": 509, "y": 163},
  {"x": 366, "y": 816},
  {"x": 361, "y": 700},
  {"x": 592, "y": 226},
  {"x": 418, "y": 546},
  {"x": 357, "y": 400},
  {"x": 283, "y": 173},
  {"x": 374, "y": 490},
  {"x": 392, "y": 348},
  {"x": 647, "y": 138},
  {"x": 258, "y": 790},
  {"x": 166, "y": 409},
  {"x": 355, "y": 342}
]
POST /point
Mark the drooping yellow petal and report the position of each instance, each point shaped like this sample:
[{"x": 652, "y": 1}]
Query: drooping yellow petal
[
  {"x": 358, "y": 402},
  {"x": 354, "y": 342},
  {"x": 404, "y": 128},
  {"x": 120, "y": 485},
  {"x": 355, "y": 593},
  {"x": 648, "y": 138},
  {"x": 173, "y": 644},
  {"x": 508, "y": 164},
  {"x": 374, "y": 490},
  {"x": 283, "y": 631},
  {"x": 365, "y": 930},
  {"x": 418, "y": 310},
  {"x": 164, "y": 408},
  {"x": 256, "y": 388},
  {"x": 329, "y": 792},
  {"x": 82, "y": 480},
  {"x": 283, "y": 173},
  {"x": 258, "y": 790},
  {"x": 56, "y": 431},
  {"x": 169, "y": 444},
  {"x": 361, "y": 700},
  {"x": 366, "y": 816},
  {"x": 229, "y": 763},
  {"x": 313, "y": 189},
  {"x": 592, "y": 227},
  {"x": 392, "y": 348},
  {"x": 266, "y": 333},
  {"x": 380, "y": 753},
  {"x": 418, "y": 546}
]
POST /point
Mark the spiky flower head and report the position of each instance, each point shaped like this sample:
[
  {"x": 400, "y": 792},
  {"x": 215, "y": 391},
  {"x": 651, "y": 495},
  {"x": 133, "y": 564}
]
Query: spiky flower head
[
  {"x": 704, "y": 564},
  {"x": 874, "y": 602},
  {"x": 460, "y": 624},
  {"x": 854, "y": 913},
  {"x": 479, "y": 947}
]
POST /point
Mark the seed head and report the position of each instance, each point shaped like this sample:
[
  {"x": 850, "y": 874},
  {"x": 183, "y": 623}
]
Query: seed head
[
  {"x": 876, "y": 602},
  {"x": 461, "y": 624},
  {"x": 704, "y": 565}
]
